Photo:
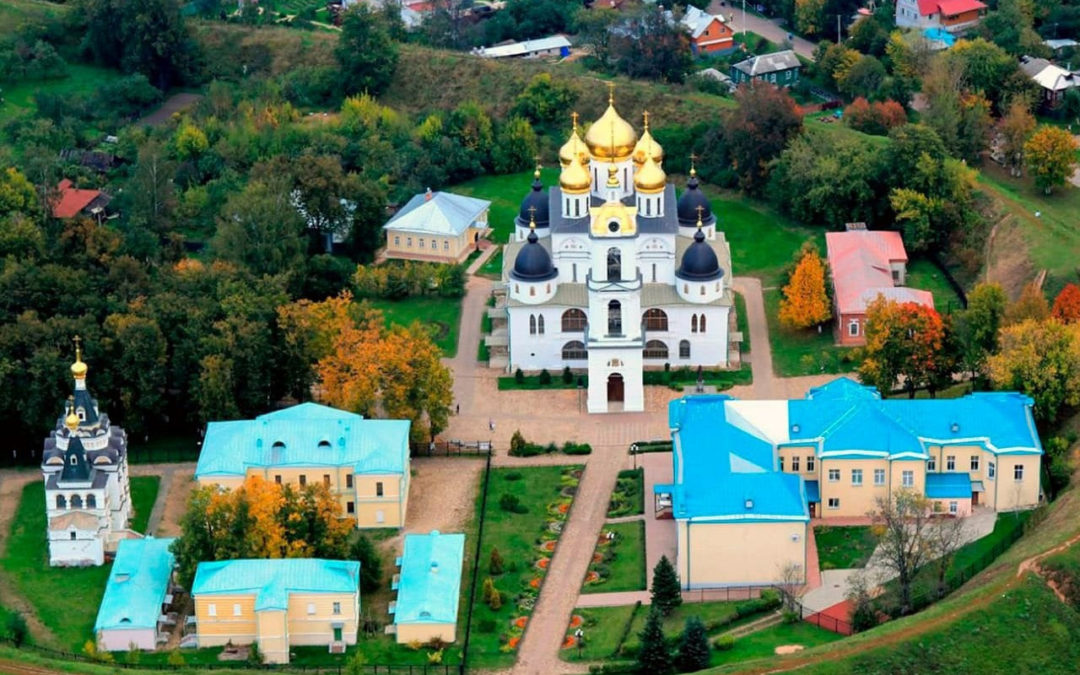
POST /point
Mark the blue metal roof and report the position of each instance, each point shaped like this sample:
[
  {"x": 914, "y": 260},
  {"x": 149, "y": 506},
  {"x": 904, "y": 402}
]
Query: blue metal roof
[
  {"x": 305, "y": 435},
  {"x": 813, "y": 491},
  {"x": 948, "y": 485},
  {"x": 137, "y": 584},
  {"x": 430, "y": 581},
  {"x": 272, "y": 580}
]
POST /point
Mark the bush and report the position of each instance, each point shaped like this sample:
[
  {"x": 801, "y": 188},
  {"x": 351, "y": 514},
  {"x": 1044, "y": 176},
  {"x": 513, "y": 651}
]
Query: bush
[
  {"x": 770, "y": 599},
  {"x": 16, "y": 630},
  {"x": 176, "y": 659},
  {"x": 370, "y": 564},
  {"x": 571, "y": 448},
  {"x": 545, "y": 377},
  {"x": 517, "y": 443},
  {"x": 791, "y": 617},
  {"x": 724, "y": 643},
  {"x": 255, "y": 657},
  {"x": 519, "y": 376},
  {"x": 567, "y": 376},
  {"x": 486, "y": 626},
  {"x": 495, "y": 563},
  {"x": 512, "y": 475},
  {"x": 512, "y": 504}
]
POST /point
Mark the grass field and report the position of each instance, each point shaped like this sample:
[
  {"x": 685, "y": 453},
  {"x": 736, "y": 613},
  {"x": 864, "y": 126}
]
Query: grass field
[
  {"x": 764, "y": 642},
  {"x": 14, "y": 13},
  {"x": 925, "y": 275},
  {"x": 505, "y": 193},
  {"x": 842, "y": 548},
  {"x": 742, "y": 323},
  {"x": 492, "y": 267},
  {"x": 804, "y": 352},
  {"x": 65, "y": 599},
  {"x": 628, "y": 498},
  {"x": 623, "y": 564},
  {"x": 18, "y": 99},
  {"x": 442, "y": 315}
]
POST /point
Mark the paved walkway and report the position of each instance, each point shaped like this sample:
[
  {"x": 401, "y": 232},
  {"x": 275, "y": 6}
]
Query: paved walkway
[{"x": 767, "y": 28}]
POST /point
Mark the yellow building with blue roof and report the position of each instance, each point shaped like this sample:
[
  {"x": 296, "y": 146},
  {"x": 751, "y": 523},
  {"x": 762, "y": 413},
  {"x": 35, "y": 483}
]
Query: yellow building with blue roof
[{"x": 428, "y": 588}]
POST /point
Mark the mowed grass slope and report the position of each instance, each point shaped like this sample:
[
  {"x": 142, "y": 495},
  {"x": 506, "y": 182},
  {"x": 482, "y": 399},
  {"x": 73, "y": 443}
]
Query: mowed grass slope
[{"x": 81, "y": 79}]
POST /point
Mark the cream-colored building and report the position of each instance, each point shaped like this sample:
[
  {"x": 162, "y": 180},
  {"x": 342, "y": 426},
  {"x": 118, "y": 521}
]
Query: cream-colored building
[
  {"x": 428, "y": 588},
  {"x": 437, "y": 227},
  {"x": 364, "y": 463},
  {"x": 277, "y": 604},
  {"x": 750, "y": 475}
]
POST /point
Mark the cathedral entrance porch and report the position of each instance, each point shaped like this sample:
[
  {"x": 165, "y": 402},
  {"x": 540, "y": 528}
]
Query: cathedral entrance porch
[{"x": 615, "y": 389}]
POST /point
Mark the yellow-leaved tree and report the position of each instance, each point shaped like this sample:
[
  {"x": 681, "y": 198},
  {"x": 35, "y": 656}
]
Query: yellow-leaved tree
[
  {"x": 806, "y": 300},
  {"x": 1050, "y": 154}
]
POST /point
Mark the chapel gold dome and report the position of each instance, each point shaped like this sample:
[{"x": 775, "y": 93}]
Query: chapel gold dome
[
  {"x": 648, "y": 147},
  {"x": 575, "y": 178},
  {"x": 574, "y": 147},
  {"x": 650, "y": 177},
  {"x": 611, "y": 137}
]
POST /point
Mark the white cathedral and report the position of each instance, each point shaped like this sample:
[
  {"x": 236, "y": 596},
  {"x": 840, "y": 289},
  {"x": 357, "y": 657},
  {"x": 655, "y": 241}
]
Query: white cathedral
[
  {"x": 607, "y": 272},
  {"x": 85, "y": 466}
]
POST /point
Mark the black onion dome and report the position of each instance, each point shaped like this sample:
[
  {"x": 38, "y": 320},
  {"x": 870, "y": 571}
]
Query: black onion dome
[
  {"x": 533, "y": 262},
  {"x": 689, "y": 202},
  {"x": 537, "y": 198},
  {"x": 699, "y": 262}
]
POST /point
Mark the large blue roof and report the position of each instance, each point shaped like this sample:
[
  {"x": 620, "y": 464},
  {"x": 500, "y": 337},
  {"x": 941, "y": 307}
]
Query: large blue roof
[
  {"x": 305, "y": 435},
  {"x": 949, "y": 485},
  {"x": 272, "y": 580},
  {"x": 137, "y": 584},
  {"x": 430, "y": 581}
]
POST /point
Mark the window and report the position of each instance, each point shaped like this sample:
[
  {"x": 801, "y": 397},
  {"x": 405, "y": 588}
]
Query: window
[
  {"x": 853, "y": 328},
  {"x": 76, "y": 502},
  {"x": 91, "y": 502},
  {"x": 211, "y": 609},
  {"x": 810, "y": 463},
  {"x": 540, "y": 319},
  {"x": 907, "y": 479},
  {"x": 74, "y": 460},
  {"x": 408, "y": 242},
  {"x": 879, "y": 476},
  {"x": 303, "y": 479},
  {"x": 834, "y": 502},
  {"x": 73, "y": 535},
  {"x": 348, "y": 480},
  {"x": 701, "y": 323},
  {"x": 277, "y": 478},
  {"x": 420, "y": 243},
  {"x": 614, "y": 264},
  {"x": 684, "y": 349},
  {"x": 326, "y": 479},
  {"x": 795, "y": 464},
  {"x": 573, "y": 320},
  {"x": 953, "y": 508},
  {"x": 310, "y": 608},
  {"x": 380, "y": 517},
  {"x": 337, "y": 608},
  {"x": 931, "y": 464},
  {"x": 781, "y": 463},
  {"x": 655, "y": 349},
  {"x": 397, "y": 241},
  {"x": 236, "y": 609},
  {"x": 61, "y": 503},
  {"x": 574, "y": 350},
  {"x": 532, "y": 324},
  {"x": 446, "y": 245},
  {"x": 614, "y": 318},
  {"x": 350, "y": 507},
  {"x": 693, "y": 323},
  {"x": 974, "y": 462},
  {"x": 834, "y": 475},
  {"x": 950, "y": 463},
  {"x": 1018, "y": 472},
  {"x": 434, "y": 245},
  {"x": 378, "y": 489},
  {"x": 991, "y": 470},
  {"x": 655, "y": 319},
  {"x": 856, "y": 476}
]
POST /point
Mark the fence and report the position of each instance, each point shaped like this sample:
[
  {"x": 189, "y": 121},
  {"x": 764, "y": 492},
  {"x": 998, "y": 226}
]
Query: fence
[
  {"x": 476, "y": 564},
  {"x": 726, "y": 594},
  {"x": 828, "y": 622},
  {"x": 452, "y": 449}
]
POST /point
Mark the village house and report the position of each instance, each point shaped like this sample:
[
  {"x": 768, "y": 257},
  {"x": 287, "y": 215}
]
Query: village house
[
  {"x": 364, "y": 463},
  {"x": 864, "y": 265},
  {"x": 437, "y": 227},
  {"x": 1052, "y": 80},
  {"x": 131, "y": 613},
  {"x": 278, "y": 604},
  {"x": 779, "y": 68},
  {"x": 952, "y": 15},
  {"x": 428, "y": 588},
  {"x": 750, "y": 475},
  {"x": 709, "y": 33},
  {"x": 72, "y": 201}
]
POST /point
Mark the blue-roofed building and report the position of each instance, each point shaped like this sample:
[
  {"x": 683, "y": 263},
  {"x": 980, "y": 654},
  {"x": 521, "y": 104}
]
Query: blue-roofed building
[
  {"x": 278, "y": 604},
  {"x": 136, "y": 595},
  {"x": 429, "y": 588},
  {"x": 364, "y": 463},
  {"x": 750, "y": 475}
]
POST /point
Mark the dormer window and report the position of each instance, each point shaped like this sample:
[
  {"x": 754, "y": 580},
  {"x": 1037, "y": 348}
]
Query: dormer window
[
  {"x": 74, "y": 460},
  {"x": 81, "y": 412},
  {"x": 278, "y": 445},
  {"x": 324, "y": 443}
]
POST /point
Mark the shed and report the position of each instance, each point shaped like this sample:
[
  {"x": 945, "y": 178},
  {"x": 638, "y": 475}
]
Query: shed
[{"x": 429, "y": 587}]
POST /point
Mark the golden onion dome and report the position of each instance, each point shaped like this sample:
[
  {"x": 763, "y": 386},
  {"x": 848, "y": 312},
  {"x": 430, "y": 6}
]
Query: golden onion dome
[
  {"x": 78, "y": 369},
  {"x": 71, "y": 421},
  {"x": 575, "y": 178},
  {"x": 611, "y": 137},
  {"x": 647, "y": 146},
  {"x": 574, "y": 147},
  {"x": 650, "y": 177}
]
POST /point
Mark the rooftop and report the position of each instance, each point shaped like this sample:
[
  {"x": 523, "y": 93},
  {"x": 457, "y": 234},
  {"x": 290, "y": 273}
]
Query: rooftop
[
  {"x": 72, "y": 200},
  {"x": 769, "y": 63},
  {"x": 948, "y": 485},
  {"x": 443, "y": 213},
  {"x": 525, "y": 47},
  {"x": 137, "y": 584},
  {"x": 860, "y": 262},
  {"x": 271, "y": 581},
  {"x": 430, "y": 582}
]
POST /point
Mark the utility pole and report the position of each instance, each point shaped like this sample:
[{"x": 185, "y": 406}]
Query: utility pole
[
  {"x": 838, "y": 39},
  {"x": 744, "y": 19}
]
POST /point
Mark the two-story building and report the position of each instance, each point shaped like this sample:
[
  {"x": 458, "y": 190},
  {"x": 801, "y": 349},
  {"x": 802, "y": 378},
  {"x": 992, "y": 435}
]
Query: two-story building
[
  {"x": 277, "y": 604},
  {"x": 750, "y": 475},
  {"x": 364, "y": 463},
  {"x": 953, "y": 16}
]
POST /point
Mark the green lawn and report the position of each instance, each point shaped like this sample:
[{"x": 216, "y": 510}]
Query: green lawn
[
  {"x": 81, "y": 79},
  {"x": 492, "y": 267},
  {"x": 925, "y": 275},
  {"x": 442, "y": 315},
  {"x": 842, "y": 548},
  {"x": 521, "y": 539},
  {"x": 66, "y": 599},
  {"x": 804, "y": 352},
  {"x": 742, "y": 323},
  {"x": 628, "y": 498},
  {"x": 505, "y": 193},
  {"x": 764, "y": 642},
  {"x": 603, "y": 626},
  {"x": 623, "y": 565}
]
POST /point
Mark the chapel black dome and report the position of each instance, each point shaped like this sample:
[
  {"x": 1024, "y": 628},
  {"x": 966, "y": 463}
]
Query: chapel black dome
[
  {"x": 537, "y": 199},
  {"x": 699, "y": 262},
  {"x": 689, "y": 202},
  {"x": 533, "y": 262}
]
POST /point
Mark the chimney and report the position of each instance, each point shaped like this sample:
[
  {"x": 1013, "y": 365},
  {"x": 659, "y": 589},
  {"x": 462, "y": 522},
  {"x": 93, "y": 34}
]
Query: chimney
[{"x": 427, "y": 195}]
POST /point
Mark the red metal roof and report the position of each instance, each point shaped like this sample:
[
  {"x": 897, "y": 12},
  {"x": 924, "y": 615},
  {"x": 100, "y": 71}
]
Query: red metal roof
[
  {"x": 72, "y": 200},
  {"x": 860, "y": 263},
  {"x": 948, "y": 7}
]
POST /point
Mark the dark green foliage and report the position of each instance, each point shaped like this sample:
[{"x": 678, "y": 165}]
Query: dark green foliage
[
  {"x": 517, "y": 441},
  {"x": 495, "y": 563},
  {"x": 693, "y": 654},
  {"x": 571, "y": 448},
  {"x": 16, "y": 629},
  {"x": 147, "y": 37},
  {"x": 666, "y": 590},
  {"x": 254, "y": 657},
  {"x": 370, "y": 563},
  {"x": 567, "y": 376},
  {"x": 724, "y": 643},
  {"x": 367, "y": 54},
  {"x": 519, "y": 376},
  {"x": 654, "y": 657},
  {"x": 652, "y": 47},
  {"x": 545, "y": 377},
  {"x": 512, "y": 504}
]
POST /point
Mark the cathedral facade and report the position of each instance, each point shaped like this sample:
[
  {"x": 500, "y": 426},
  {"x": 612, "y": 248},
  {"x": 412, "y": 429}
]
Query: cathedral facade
[
  {"x": 609, "y": 273},
  {"x": 85, "y": 466}
]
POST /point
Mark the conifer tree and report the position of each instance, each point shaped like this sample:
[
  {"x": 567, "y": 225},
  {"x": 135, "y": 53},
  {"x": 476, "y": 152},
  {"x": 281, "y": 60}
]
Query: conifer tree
[
  {"x": 806, "y": 302},
  {"x": 495, "y": 563},
  {"x": 666, "y": 592},
  {"x": 693, "y": 647},
  {"x": 654, "y": 658}
]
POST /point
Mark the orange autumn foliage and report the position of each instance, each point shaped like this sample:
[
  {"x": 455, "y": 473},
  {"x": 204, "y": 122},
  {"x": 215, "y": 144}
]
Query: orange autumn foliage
[
  {"x": 1067, "y": 304},
  {"x": 806, "y": 302}
]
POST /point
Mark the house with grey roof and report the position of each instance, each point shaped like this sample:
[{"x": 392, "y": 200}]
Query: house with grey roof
[
  {"x": 779, "y": 68},
  {"x": 1053, "y": 80},
  {"x": 437, "y": 227}
]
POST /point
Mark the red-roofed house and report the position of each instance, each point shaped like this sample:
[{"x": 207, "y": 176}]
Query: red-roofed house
[
  {"x": 71, "y": 201},
  {"x": 865, "y": 264},
  {"x": 951, "y": 15}
]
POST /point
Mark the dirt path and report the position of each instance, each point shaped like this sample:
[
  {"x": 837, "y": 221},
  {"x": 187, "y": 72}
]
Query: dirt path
[
  {"x": 12, "y": 483},
  {"x": 1032, "y": 565}
]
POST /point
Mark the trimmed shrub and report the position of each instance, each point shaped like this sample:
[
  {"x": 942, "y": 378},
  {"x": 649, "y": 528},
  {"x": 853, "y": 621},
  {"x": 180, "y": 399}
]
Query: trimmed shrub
[
  {"x": 567, "y": 376},
  {"x": 571, "y": 448},
  {"x": 512, "y": 475},
  {"x": 495, "y": 563},
  {"x": 512, "y": 504},
  {"x": 519, "y": 376},
  {"x": 545, "y": 377},
  {"x": 724, "y": 643}
]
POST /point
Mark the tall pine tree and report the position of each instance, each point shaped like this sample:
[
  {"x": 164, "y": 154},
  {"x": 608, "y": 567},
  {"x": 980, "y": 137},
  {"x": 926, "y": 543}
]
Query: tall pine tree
[
  {"x": 666, "y": 591},
  {"x": 654, "y": 658},
  {"x": 693, "y": 647}
]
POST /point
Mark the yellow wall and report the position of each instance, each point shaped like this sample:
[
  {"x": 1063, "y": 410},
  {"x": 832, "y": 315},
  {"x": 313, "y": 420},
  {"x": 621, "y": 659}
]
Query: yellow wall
[
  {"x": 273, "y": 638},
  {"x": 1006, "y": 494},
  {"x": 803, "y": 453},
  {"x": 317, "y": 628},
  {"x": 717, "y": 554},
  {"x": 896, "y": 474},
  {"x": 425, "y": 632},
  {"x": 458, "y": 246},
  {"x": 217, "y": 630},
  {"x": 854, "y": 500}
]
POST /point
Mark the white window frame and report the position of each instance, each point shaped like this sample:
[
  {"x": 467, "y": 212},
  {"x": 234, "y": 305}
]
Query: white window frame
[
  {"x": 1018, "y": 472},
  {"x": 853, "y": 328},
  {"x": 907, "y": 479},
  {"x": 795, "y": 464},
  {"x": 950, "y": 463},
  {"x": 810, "y": 463},
  {"x": 781, "y": 464},
  {"x": 833, "y": 503},
  {"x": 211, "y": 609},
  {"x": 834, "y": 475},
  {"x": 856, "y": 477},
  {"x": 991, "y": 471},
  {"x": 931, "y": 464},
  {"x": 236, "y": 611},
  {"x": 879, "y": 476},
  {"x": 311, "y": 609},
  {"x": 954, "y": 508},
  {"x": 974, "y": 462},
  {"x": 336, "y": 607}
]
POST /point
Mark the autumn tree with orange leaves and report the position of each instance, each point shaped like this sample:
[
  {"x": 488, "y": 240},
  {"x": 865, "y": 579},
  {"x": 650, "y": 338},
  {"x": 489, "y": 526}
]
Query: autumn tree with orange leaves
[
  {"x": 806, "y": 302},
  {"x": 906, "y": 343},
  {"x": 260, "y": 519},
  {"x": 1067, "y": 304}
]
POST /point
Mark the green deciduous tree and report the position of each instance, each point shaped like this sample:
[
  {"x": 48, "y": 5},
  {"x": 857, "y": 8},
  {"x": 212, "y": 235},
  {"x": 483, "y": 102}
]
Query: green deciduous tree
[
  {"x": 666, "y": 590},
  {"x": 978, "y": 325},
  {"x": 1042, "y": 360},
  {"x": 147, "y": 37},
  {"x": 365, "y": 552},
  {"x": 516, "y": 146},
  {"x": 366, "y": 52},
  {"x": 1016, "y": 128},
  {"x": 261, "y": 229}
]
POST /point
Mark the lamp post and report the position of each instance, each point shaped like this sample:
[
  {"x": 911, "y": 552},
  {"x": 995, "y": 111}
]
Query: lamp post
[
  {"x": 579, "y": 637},
  {"x": 580, "y": 387}
]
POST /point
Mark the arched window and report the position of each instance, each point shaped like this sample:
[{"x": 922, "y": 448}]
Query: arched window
[
  {"x": 76, "y": 502},
  {"x": 61, "y": 503},
  {"x": 324, "y": 443},
  {"x": 702, "y": 324},
  {"x": 574, "y": 351},
  {"x": 532, "y": 290},
  {"x": 614, "y": 318},
  {"x": 702, "y": 290},
  {"x": 573, "y": 320},
  {"x": 655, "y": 349},
  {"x": 91, "y": 502},
  {"x": 655, "y": 319},
  {"x": 693, "y": 323},
  {"x": 532, "y": 324},
  {"x": 278, "y": 445},
  {"x": 684, "y": 349},
  {"x": 540, "y": 324},
  {"x": 614, "y": 264}
]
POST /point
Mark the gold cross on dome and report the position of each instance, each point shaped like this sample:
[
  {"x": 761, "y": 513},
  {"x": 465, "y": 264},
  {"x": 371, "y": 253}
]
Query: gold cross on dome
[
  {"x": 611, "y": 93},
  {"x": 532, "y": 217},
  {"x": 700, "y": 209}
]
